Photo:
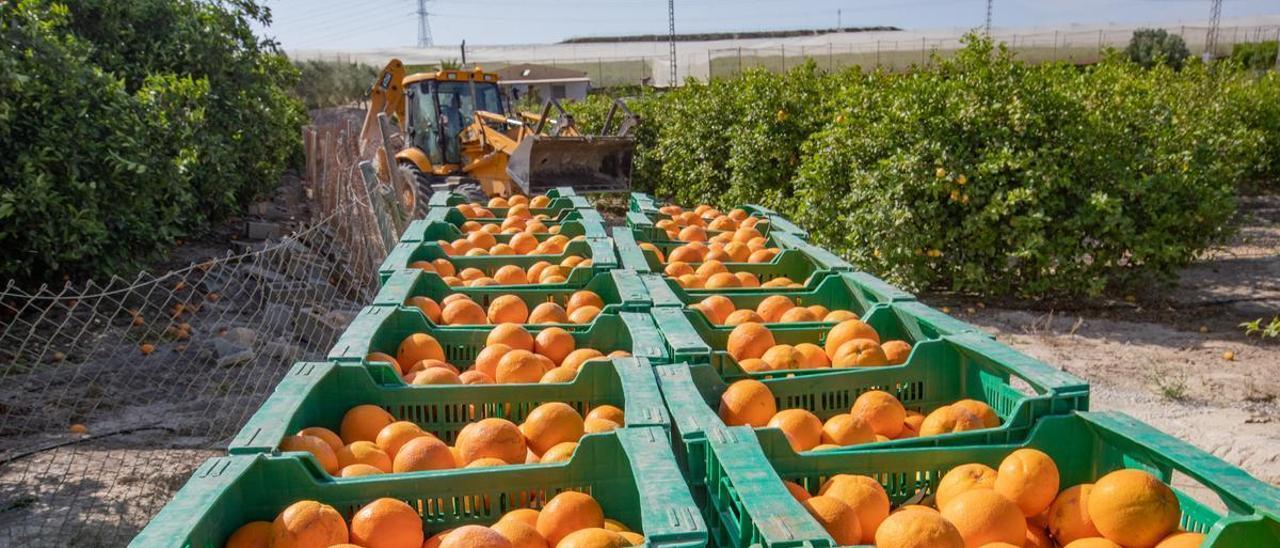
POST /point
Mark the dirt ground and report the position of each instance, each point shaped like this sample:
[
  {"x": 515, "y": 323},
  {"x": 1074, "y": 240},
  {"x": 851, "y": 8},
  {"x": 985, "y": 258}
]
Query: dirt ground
[{"x": 1163, "y": 357}]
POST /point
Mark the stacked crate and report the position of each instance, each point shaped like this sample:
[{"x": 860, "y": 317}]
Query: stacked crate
[{"x": 675, "y": 471}]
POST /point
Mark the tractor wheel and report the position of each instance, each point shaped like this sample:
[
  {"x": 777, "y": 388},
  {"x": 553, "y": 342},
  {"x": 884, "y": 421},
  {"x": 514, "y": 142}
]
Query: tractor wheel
[
  {"x": 473, "y": 192},
  {"x": 422, "y": 187}
]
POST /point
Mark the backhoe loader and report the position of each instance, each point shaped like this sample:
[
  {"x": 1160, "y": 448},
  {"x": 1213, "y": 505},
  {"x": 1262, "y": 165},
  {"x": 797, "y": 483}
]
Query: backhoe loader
[{"x": 459, "y": 137}]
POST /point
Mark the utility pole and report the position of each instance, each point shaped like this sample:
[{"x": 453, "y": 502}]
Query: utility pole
[
  {"x": 1211, "y": 39},
  {"x": 839, "y": 20},
  {"x": 424, "y": 26},
  {"x": 989, "y": 18},
  {"x": 671, "y": 29}
]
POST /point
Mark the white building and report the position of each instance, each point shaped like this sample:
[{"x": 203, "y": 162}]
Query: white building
[{"x": 543, "y": 81}]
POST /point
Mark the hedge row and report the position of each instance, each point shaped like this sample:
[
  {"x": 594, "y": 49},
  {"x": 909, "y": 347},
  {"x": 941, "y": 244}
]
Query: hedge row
[
  {"x": 984, "y": 174},
  {"x": 125, "y": 126}
]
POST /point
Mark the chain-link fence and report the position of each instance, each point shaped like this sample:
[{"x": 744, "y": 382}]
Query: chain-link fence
[{"x": 112, "y": 393}]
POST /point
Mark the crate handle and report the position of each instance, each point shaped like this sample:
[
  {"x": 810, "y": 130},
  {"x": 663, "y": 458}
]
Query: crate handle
[
  {"x": 629, "y": 251},
  {"x": 268, "y": 422},
  {"x": 664, "y": 496},
  {"x": 1242, "y": 492},
  {"x": 1040, "y": 375},
  {"x": 644, "y": 399},
  {"x": 198, "y": 497}
]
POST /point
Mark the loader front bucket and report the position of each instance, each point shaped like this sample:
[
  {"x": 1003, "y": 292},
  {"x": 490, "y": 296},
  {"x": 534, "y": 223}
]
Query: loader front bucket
[{"x": 588, "y": 163}]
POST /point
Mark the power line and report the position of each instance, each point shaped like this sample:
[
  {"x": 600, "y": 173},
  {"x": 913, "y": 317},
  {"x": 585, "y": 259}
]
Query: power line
[
  {"x": 1211, "y": 40},
  {"x": 989, "y": 18},
  {"x": 671, "y": 28},
  {"x": 424, "y": 26}
]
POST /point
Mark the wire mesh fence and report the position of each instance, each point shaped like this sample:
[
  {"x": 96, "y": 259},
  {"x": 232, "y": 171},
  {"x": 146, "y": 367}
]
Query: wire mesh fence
[{"x": 112, "y": 393}]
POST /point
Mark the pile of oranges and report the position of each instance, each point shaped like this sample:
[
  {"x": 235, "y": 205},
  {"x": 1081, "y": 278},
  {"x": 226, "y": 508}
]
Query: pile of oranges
[
  {"x": 371, "y": 441},
  {"x": 569, "y": 520},
  {"x": 1016, "y": 505},
  {"x": 720, "y": 310},
  {"x": 851, "y": 343},
  {"x": 459, "y": 309},
  {"x": 692, "y": 226},
  {"x": 511, "y": 355},
  {"x": 876, "y": 416},
  {"x": 541, "y": 272}
]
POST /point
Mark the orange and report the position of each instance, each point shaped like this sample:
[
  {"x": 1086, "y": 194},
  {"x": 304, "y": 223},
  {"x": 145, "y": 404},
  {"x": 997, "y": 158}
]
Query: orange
[
  {"x": 528, "y": 516},
  {"x": 504, "y": 249},
  {"x": 560, "y": 452},
  {"x": 474, "y": 536},
  {"x": 435, "y": 375},
  {"x": 607, "y": 412},
  {"x": 783, "y": 357},
  {"x": 491, "y": 437},
  {"x": 510, "y": 275},
  {"x": 693, "y": 234},
  {"x": 325, "y": 434},
  {"x": 568, "y": 512},
  {"x": 922, "y": 528},
  {"x": 749, "y": 340},
  {"x": 1037, "y": 537},
  {"x": 802, "y": 428},
  {"x": 592, "y": 426},
  {"x": 548, "y": 313},
  {"x": 486, "y": 462},
  {"x": 677, "y": 269},
  {"x": 1133, "y": 508},
  {"x": 475, "y": 377},
  {"x": 393, "y": 436},
  {"x": 755, "y": 365},
  {"x": 812, "y": 356},
  {"x": 615, "y": 525},
  {"x": 896, "y": 351},
  {"x": 364, "y": 452},
  {"x": 773, "y": 307},
  {"x": 844, "y": 429},
  {"x": 738, "y": 251},
  {"x": 571, "y": 261},
  {"x": 797, "y": 491},
  {"x": 498, "y": 202},
  {"x": 685, "y": 254},
  {"x": 387, "y": 523},
  {"x": 762, "y": 255},
  {"x": 471, "y": 273},
  {"x": 444, "y": 267},
  {"x": 981, "y": 410},
  {"x": 487, "y": 360},
  {"x": 363, "y": 422},
  {"x": 710, "y": 267},
  {"x": 386, "y": 358},
  {"x": 691, "y": 281},
  {"x": 1069, "y": 515},
  {"x": 423, "y": 453},
  {"x": 523, "y": 242},
  {"x": 549, "y": 424},
  {"x": 839, "y": 316},
  {"x": 984, "y": 516},
  {"x": 455, "y": 297},
  {"x": 1093, "y": 542},
  {"x": 463, "y": 312},
  {"x": 962, "y": 479},
  {"x": 510, "y": 334},
  {"x": 558, "y": 374},
  {"x": 536, "y": 270},
  {"x": 584, "y": 314},
  {"x": 836, "y": 517},
  {"x": 864, "y": 495},
  {"x": 716, "y": 308},
  {"x": 859, "y": 353},
  {"x": 881, "y": 410},
  {"x": 798, "y": 314},
  {"x": 519, "y": 534},
  {"x": 308, "y": 523},
  {"x": 746, "y": 234},
  {"x": 593, "y": 538},
  {"x": 722, "y": 280},
  {"x": 911, "y": 425},
  {"x": 818, "y": 311},
  {"x": 747, "y": 402},
  {"x": 747, "y": 279},
  {"x": 418, "y": 347},
  {"x": 482, "y": 239},
  {"x": 429, "y": 307},
  {"x": 948, "y": 419},
  {"x": 551, "y": 273},
  {"x": 584, "y": 298},
  {"x": 738, "y": 317},
  {"x": 576, "y": 358},
  {"x": 554, "y": 343},
  {"x": 846, "y": 331},
  {"x": 255, "y": 534},
  {"x": 1029, "y": 478},
  {"x": 1182, "y": 540},
  {"x": 508, "y": 309}
]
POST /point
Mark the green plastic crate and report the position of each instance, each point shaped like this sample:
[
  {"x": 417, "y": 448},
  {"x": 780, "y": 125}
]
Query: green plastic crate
[
  {"x": 319, "y": 394},
  {"x": 430, "y": 231},
  {"x": 600, "y": 252},
  {"x": 632, "y": 474},
  {"x": 690, "y": 338},
  {"x": 640, "y": 201},
  {"x": 648, "y": 205},
  {"x": 856, "y": 292},
  {"x": 784, "y": 224},
  {"x": 791, "y": 263},
  {"x": 644, "y": 230},
  {"x": 559, "y": 200},
  {"x": 619, "y": 289},
  {"x": 590, "y": 218},
  {"x": 382, "y": 328},
  {"x": 938, "y": 372},
  {"x": 751, "y": 507}
]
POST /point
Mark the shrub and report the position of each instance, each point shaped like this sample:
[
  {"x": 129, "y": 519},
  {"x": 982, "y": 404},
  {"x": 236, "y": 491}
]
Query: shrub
[
  {"x": 126, "y": 125},
  {"x": 324, "y": 84},
  {"x": 1256, "y": 55},
  {"x": 1148, "y": 47}
]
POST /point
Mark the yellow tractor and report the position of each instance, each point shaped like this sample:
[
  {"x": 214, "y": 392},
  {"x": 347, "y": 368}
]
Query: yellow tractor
[{"x": 459, "y": 136}]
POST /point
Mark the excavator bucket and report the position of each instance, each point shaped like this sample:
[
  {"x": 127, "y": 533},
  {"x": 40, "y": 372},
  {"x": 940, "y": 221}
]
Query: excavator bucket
[{"x": 593, "y": 163}]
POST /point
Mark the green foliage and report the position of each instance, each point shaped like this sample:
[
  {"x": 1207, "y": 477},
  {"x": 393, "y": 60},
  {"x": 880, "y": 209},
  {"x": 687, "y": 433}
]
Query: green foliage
[
  {"x": 1269, "y": 330},
  {"x": 126, "y": 125},
  {"x": 324, "y": 84},
  {"x": 984, "y": 174},
  {"x": 1256, "y": 55},
  {"x": 1149, "y": 47}
]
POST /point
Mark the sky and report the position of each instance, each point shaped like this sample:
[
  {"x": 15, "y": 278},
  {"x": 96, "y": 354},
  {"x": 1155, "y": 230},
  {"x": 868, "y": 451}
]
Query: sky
[{"x": 363, "y": 24}]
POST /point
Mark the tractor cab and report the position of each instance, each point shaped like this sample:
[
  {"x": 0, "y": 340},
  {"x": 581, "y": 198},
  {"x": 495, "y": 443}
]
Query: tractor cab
[{"x": 441, "y": 105}]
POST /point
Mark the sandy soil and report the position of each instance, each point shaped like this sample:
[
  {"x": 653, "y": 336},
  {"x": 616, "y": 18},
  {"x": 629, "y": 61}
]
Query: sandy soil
[{"x": 1163, "y": 357}]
